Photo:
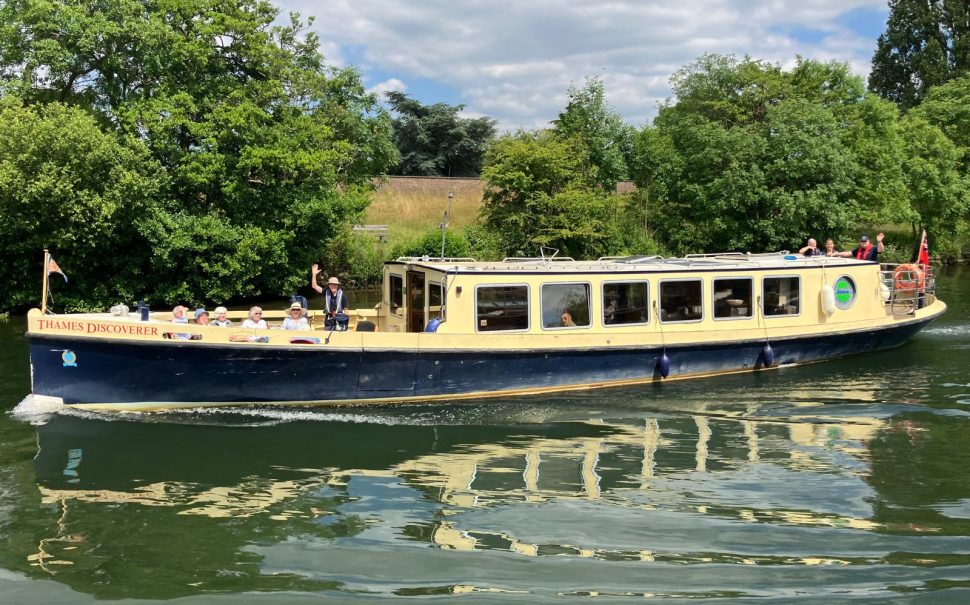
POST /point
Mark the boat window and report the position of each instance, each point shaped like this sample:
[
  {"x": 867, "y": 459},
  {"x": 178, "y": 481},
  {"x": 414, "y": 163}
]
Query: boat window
[
  {"x": 625, "y": 303},
  {"x": 565, "y": 305},
  {"x": 681, "y": 300},
  {"x": 395, "y": 294},
  {"x": 502, "y": 308},
  {"x": 435, "y": 300},
  {"x": 781, "y": 296},
  {"x": 844, "y": 292},
  {"x": 732, "y": 298}
]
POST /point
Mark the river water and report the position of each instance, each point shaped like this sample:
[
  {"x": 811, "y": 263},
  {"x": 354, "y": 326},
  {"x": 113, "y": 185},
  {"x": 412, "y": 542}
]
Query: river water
[{"x": 838, "y": 482}]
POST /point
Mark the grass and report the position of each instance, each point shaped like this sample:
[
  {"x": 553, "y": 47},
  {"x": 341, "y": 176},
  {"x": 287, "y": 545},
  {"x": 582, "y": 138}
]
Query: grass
[{"x": 409, "y": 213}]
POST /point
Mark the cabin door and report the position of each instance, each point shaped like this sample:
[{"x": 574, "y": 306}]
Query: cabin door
[{"x": 415, "y": 302}]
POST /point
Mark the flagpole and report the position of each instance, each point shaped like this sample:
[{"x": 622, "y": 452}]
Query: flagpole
[{"x": 43, "y": 290}]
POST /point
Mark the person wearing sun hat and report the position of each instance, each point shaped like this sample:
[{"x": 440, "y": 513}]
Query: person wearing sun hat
[
  {"x": 335, "y": 303},
  {"x": 201, "y": 316},
  {"x": 295, "y": 320}
]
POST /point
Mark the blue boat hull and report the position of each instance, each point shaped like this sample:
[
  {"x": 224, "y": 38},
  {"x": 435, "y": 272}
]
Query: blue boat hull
[{"x": 186, "y": 373}]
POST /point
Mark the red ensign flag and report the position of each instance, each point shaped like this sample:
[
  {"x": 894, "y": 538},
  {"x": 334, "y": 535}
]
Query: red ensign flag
[{"x": 923, "y": 260}]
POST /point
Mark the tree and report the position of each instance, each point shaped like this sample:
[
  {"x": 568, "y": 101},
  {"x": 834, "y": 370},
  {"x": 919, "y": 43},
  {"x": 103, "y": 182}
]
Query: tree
[
  {"x": 608, "y": 140},
  {"x": 753, "y": 158},
  {"x": 926, "y": 43},
  {"x": 85, "y": 194},
  {"x": 947, "y": 106},
  {"x": 267, "y": 150},
  {"x": 540, "y": 191},
  {"x": 937, "y": 185},
  {"x": 433, "y": 140}
]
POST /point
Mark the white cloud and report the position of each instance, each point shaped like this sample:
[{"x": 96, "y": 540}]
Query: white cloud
[
  {"x": 388, "y": 85},
  {"x": 514, "y": 61}
]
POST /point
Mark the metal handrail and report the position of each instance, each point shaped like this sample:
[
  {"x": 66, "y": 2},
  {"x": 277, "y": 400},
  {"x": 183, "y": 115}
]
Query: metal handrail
[{"x": 907, "y": 287}]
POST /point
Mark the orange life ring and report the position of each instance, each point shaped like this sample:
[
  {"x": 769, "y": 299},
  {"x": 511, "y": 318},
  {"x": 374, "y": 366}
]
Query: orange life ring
[{"x": 908, "y": 277}]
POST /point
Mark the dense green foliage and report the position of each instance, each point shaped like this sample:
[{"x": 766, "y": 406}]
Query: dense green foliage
[
  {"x": 543, "y": 191},
  {"x": 926, "y": 43},
  {"x": 433, "y": 140},
  {"x": 607, "y": 139},
  {"x": 264, "y": 151},
  {"x": 751, "y": 157},
  {"x": 67, "y": 185}
]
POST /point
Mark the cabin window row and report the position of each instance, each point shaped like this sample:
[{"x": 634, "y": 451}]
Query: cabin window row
[{"x": 567, "y": 305}]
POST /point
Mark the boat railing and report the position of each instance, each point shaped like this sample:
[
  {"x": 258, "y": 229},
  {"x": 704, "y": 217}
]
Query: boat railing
[
  {"x": 907, "y": 287},
  {"x": 536, "y": 259},
  {"x": 436, "y": 259}
]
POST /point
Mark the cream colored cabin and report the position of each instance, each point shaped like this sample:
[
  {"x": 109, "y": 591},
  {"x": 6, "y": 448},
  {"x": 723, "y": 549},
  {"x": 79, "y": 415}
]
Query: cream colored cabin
[{"x": 713, "y": 297}]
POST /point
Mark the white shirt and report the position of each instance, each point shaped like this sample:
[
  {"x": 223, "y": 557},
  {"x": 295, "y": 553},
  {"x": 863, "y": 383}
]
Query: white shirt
[
  {"x": 295, "y": 324},
  {"x": 258, "y": 325}
]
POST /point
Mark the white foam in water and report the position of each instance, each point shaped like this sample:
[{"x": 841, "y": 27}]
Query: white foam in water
[
  {"x": 953, "y": 330},
  {"x": 36, "y": 409},
  {"x": 285, "y": 415}
]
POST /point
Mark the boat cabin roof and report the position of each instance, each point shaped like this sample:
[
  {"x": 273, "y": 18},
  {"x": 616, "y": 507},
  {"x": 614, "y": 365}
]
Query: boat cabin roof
[{"x": 627, "y": 264}]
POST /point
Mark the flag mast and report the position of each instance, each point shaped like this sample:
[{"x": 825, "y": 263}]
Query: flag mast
[{"x": 43, "y": 289}]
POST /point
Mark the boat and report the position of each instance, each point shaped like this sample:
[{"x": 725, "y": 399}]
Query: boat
[{"x": 455, "y": 328}]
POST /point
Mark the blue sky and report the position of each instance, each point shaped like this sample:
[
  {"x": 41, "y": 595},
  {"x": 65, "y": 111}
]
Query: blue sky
[{"x": 515, "y": 61}]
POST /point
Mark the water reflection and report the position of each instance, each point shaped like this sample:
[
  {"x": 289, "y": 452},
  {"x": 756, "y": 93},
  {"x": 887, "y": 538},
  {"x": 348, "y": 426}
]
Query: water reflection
[{"x": 221, "y": 505}]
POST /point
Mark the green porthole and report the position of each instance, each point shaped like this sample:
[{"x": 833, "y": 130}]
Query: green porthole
[{"x": 844, "y": 292}]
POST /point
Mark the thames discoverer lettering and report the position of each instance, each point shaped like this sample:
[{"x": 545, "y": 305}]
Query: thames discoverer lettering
[{"x": 93, "y": 328}]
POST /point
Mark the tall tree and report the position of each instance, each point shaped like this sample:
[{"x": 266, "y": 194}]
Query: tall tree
[
  {"x": 268, "y": 150},
  {"x": 607, "y": 138},
  {"x": 434, "y": 140},
  {"x": 85, "y": 194},
  {"x": 751, "y": 157},
  {"x": 926, "y": 43}
]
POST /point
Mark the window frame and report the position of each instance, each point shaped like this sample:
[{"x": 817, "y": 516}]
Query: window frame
[
  {"x": 660, "y": 298},
  {"x": 528, "y": 307},
  {"x": 751, "y": 304},
  {"x": 589, "y": 303},
  {"x": 603, "y": 302},
  {"x": 763, "y": 297},
  {"x": 441, "y": 308},
  {"x": 855, "y": 292},
  {"x": 390, "y": 293}
]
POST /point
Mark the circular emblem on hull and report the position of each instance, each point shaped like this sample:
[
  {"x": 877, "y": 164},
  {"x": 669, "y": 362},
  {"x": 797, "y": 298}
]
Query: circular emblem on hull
[
  {"x": 69, "y": 359},
  {"x": 844, "y": 292}
]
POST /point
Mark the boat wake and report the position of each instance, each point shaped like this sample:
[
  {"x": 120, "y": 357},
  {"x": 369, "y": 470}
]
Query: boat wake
[
  {"x": 961, "y": 330},
  {"x": 37, "y": 409}
]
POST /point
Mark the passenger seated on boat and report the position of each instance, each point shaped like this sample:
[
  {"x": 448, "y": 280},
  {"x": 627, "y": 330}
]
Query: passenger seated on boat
[
  {"x": 221, "y": 320},
  {"x": 296, "y": 321},
  {"x": 178, "y": 317},
  {"x": 567, "y": 319},
  {"x": 201, "y": 316},
  {"x": 609, "y": 311},
  {"x": 255, "y": 320}
]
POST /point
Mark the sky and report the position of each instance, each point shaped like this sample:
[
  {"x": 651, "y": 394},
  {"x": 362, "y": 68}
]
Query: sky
[{"x": 515, "y": 61}]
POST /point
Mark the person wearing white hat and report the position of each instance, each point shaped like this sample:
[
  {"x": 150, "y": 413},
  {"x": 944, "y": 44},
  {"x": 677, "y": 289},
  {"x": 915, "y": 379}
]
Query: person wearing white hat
[
  {"x": 296, "y": 321},
  {"x": 335, "y": 302}
]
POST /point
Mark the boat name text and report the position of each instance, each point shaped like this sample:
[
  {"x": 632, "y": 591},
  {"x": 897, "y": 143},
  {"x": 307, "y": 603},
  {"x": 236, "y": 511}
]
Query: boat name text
[{"x": 91, "y": 328}]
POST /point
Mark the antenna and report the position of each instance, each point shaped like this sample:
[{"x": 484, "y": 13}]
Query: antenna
[{"x": 444, "y": 222}]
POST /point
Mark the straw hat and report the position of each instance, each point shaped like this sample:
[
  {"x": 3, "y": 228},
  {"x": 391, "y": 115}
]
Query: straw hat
[{"x": 333, "y": 280}]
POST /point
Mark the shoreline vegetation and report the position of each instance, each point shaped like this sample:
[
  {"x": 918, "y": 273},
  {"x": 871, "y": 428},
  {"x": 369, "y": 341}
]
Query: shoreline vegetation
[{"x": 156, "y": 165}]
